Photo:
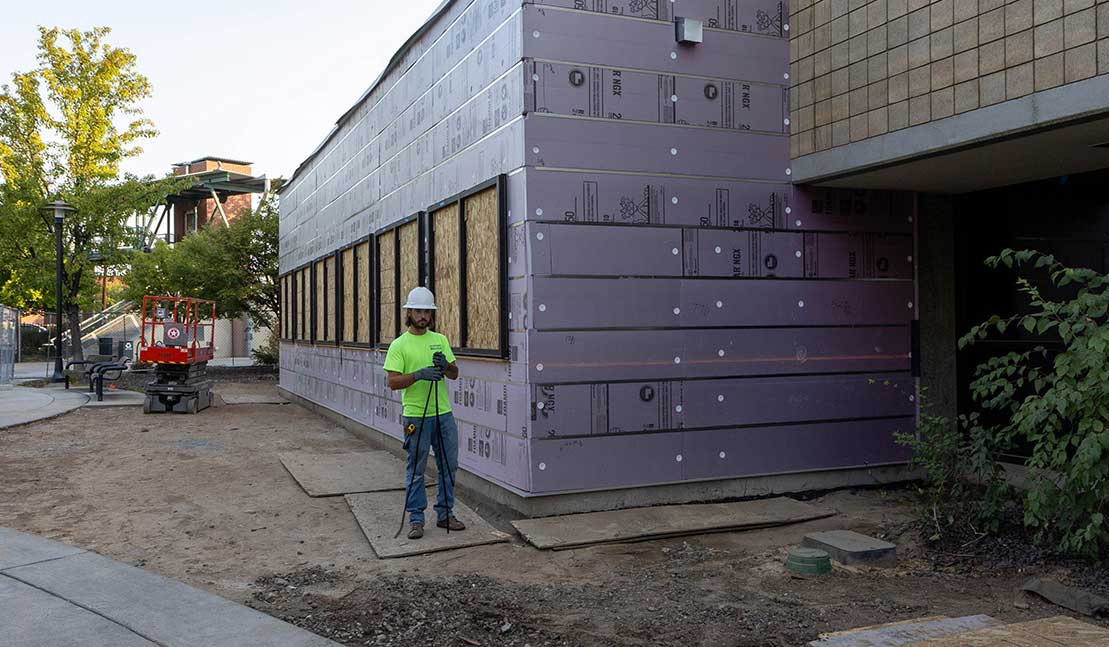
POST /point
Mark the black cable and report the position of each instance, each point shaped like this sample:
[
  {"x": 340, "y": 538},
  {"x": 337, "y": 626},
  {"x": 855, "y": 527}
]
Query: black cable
[
  {"x": 441, "y": 461},
  {"x": 412, "y": 476}
]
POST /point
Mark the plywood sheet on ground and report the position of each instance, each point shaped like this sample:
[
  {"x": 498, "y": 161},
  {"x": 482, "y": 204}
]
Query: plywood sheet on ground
[
  {"x": 1056, "y": 631},
  {"x": 639, "y": 524},
  {"x": 905, "y": 632},
  {"x": 378, "y": 514},
  {"x": 335, "y": 474},
  {"x": 252, "y": 398}
]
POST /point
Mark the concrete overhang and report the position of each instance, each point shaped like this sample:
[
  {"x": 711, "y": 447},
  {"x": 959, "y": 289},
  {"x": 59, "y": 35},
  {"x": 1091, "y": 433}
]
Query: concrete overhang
[{"x": 1045, "y": 134}]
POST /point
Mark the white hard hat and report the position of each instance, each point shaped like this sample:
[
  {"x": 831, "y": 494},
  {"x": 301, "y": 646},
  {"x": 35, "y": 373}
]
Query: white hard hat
[{"x": 420, "y": 298}]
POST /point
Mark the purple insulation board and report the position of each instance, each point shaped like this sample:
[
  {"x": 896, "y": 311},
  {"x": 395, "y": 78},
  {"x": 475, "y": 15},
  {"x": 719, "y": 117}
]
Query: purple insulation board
[
  {"x": 581, "y": 304},
  {"x": 645, "y": 148},
  {"x": 639, "y": 199},
  {"x": 494, "y": 454},
  {"x": 629, "y": 95},
  {"x": 755, "y": 16},
  {"x": 633, "y": 407},
  {"x": 585, "y": 463},
  {"x": 552, "y": 33},
  {"x": 794, "y": 448},
  {"x": 604, "y": 462},
  {"x": 597, "y": 356},
  {"x": 589, "y": 250}
]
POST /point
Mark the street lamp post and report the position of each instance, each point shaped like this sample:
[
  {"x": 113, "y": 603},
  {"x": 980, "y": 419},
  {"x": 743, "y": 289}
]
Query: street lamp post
[{"x": 60, "y": 208}]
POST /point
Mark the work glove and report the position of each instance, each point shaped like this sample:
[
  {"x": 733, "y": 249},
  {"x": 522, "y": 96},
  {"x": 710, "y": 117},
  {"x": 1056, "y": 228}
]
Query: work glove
[
  {"x": 440, "y": 361},
  {"x": 430, "y": 374}
]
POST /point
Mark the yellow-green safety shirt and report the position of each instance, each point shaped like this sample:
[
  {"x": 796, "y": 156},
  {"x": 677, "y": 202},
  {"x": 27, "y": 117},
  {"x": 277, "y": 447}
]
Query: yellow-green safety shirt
[{"x": 408, "y": 354}]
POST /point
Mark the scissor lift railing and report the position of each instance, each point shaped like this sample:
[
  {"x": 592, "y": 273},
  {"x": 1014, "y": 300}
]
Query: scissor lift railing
[
  {"x": 182, "y": 321},
  {"x": 178, "y": 338}
]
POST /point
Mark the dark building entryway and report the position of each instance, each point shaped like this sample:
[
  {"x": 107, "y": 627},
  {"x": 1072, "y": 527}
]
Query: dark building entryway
[{"x": 1067, "y": 217}]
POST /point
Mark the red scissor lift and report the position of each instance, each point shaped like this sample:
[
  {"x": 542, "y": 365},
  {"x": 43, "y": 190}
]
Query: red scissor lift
[{"x": 177, "y": 337}]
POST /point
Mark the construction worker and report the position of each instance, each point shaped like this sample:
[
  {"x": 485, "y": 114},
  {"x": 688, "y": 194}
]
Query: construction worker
[{"x": 416, "y": 362}]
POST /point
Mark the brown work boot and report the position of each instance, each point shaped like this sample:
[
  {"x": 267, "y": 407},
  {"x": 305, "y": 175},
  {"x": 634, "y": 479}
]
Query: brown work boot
[
  {"x": 416, "y": 531},
  {"x": 452, "y": 523}
]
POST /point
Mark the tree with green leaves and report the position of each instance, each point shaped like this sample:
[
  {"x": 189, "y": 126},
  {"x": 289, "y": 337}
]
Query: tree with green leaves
[
  {"x": 1051, "y": 400},
  {"x": 235, "y": 266},
  {"x": 65, "y": 127}
]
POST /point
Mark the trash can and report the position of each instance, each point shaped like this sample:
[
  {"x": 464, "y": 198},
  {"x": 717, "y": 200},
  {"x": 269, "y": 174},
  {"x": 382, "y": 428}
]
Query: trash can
[
  {"x": 106, "y": 344},
  {"x": 127, "y": 348}
]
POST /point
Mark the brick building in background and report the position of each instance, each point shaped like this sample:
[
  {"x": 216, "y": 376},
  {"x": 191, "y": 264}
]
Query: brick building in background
[
  {"x": 191, "y": 213},
  {"x": 996, "y": 112}
]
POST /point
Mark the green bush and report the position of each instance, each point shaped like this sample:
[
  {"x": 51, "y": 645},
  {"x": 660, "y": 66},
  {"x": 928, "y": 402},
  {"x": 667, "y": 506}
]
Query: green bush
[
  {"x": 269, "y": 353},
  {"x": 966, "y": 489},
  {"x": 1055, "y": 403}
]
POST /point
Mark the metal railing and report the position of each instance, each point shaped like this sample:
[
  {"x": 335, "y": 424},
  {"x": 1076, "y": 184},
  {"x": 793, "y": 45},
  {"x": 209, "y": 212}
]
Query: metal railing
[
  {"x": 9, "y": 343},
  {"x": 96, "y": 320}
]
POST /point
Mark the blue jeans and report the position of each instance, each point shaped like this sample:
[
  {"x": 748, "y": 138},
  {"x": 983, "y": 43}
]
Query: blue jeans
[{"x": 428, "y": 438}]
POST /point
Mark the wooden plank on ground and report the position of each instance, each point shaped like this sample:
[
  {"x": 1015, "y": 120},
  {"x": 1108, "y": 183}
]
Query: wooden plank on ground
[
  {"x": 639, "y": 524},
  {"x": 905, "y": 632},
  {"x": 378, "y": 514},
  {"x": 351, "y": 472},
  {"x": 1056, "y": 631}
]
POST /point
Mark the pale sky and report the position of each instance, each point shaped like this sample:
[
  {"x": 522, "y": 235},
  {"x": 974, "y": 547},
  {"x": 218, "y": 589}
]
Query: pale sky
[{"x": 262, "y": 81}]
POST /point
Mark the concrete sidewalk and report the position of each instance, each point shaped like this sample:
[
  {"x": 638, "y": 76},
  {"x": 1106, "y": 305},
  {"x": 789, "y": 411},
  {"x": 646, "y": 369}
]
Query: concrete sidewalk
[
  {"x": 20, "y": 405},
  {"x": 54, "y": 595}
]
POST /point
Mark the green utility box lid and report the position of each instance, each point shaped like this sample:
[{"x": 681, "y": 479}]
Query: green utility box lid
[{"x": 808, "y": 561}]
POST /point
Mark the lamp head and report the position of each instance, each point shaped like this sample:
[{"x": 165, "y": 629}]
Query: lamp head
[{"x": 60, "y": 208}]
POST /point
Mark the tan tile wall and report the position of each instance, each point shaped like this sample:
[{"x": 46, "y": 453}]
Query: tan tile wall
[{"x": 863, "y": 68}]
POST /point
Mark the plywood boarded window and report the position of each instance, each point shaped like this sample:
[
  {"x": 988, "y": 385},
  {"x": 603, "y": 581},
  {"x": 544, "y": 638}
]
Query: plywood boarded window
[
  {"x": 348, "y": 289},
  {"x": 363, "y": 292},
  {"x": 446, "y": 275},
  {"x": 291, "y": 328},
  {"x": 410, "y": 259},
  {"x": 331, "y": 299},
  {"x": 286, "y": 306},
  {"x": 318, "y": 301},
  {"x": 468, "y": 270},
  {"x": 483, "y": 270},
  {"x": 386, "y": 286},
  {"x": 400, "y": 253},
  {"x": 282, "y": 306},
  {"x": 304, "y": 304}
]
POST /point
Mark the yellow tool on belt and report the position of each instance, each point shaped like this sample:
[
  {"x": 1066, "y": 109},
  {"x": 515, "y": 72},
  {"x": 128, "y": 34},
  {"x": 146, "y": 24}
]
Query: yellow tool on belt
[{"x": 410, "y": 429}]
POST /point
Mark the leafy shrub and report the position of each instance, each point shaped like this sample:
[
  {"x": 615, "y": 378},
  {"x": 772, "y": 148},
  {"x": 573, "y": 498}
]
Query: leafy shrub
[
  {"x": 1058, "y": 403},
  {"x": 965, "y": 488},
  {"x": 269, "y": 353}
]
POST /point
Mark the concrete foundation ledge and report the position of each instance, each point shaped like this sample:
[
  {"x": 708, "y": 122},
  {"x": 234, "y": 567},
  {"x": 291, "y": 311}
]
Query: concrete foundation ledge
[{"x": 482, "y": 492}]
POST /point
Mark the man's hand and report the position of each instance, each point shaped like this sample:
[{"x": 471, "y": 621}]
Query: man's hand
[
  {"x": 430, "y": 374},
  {"x": 440, "y": 361}
]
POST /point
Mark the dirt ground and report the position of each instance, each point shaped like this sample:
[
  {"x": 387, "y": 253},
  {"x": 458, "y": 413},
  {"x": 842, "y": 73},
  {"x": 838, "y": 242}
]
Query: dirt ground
[{"x": 204, "y": 499}]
